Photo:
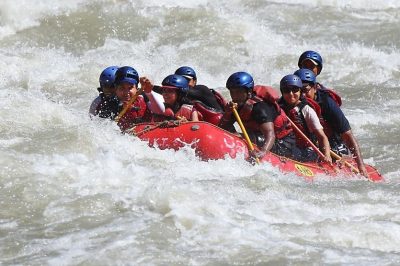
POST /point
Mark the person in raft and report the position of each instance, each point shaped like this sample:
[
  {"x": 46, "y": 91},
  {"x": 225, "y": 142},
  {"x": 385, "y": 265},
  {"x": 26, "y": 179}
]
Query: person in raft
[
  {"x": 145, "y": 104},
  {"x": 312, "y": 60},
  {"x": 208, "y": 102},
  {"x": 336, "y": 126},
  {"x": 174, "y": 89},
  {"x": 106, "y": 104},
  {"x": 201, "y": 93},
  {"x": 263, "y": 120},
  {"x": 302, "y": 114}
]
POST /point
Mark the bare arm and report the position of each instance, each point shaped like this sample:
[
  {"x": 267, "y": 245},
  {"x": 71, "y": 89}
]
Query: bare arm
[
  {"x": 267, "y": 129},
  {"x": 352, "y": 143},
  {"x": 195, "y": 116},
  {"x": 323, "y": 144}
]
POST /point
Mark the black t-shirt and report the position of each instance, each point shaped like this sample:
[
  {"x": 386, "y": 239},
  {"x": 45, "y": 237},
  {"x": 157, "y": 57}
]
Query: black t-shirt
[
  {"x": 203, "y": 94},
  {"x": 108, "y": 107},
  {"x": 199, "y": 93},
  {"x": 263, "y": 112}
]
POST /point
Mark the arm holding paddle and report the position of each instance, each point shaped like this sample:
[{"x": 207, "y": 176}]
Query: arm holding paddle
[
  {"x": 246, "y": 136},
  {"x": 324, "y": 145},
  {"x": 267, "y": 129},
  {"x": 352, "y": 143},
  {"x": 127, "y": 104},
  {"x": 226, "y": 121}
]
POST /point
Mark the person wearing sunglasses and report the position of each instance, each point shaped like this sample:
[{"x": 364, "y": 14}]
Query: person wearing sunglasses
[
  {"x": 106, "y": 104},
  {"x": 301, "y": 113},
  {"x": 336, "y": 126}
]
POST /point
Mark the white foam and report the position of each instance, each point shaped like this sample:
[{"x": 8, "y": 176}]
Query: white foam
[
  {"x": 19, "y": 15},
  {"x": 354, "y": 4}
]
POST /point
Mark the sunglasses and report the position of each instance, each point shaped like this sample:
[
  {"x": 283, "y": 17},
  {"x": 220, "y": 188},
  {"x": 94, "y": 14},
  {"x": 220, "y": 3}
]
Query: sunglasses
[{"x": 290, "y": 89}]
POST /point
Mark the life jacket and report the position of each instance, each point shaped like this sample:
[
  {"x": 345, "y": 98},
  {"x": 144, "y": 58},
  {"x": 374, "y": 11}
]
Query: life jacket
[
  {"x": 269, "y": 95},
  {"x": 282, "y": 126},
  {"x": 326, "y": 92},
  {"x": 333, "y": 94},
  {"x": 220, "y": 99},
  {"x": 185, "y": 111},
  {"x": 137, "y": 113},
  {"x": 297, "y": 117},
  {"x": 209, "y": 115}
]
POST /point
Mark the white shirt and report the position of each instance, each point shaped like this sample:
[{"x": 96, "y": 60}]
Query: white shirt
[
  {"x": 155, "y": 103},
  {"x": 311, "y": 118}
]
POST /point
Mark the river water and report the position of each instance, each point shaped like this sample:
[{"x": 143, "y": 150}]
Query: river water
[{"x": 74, "y": 191}]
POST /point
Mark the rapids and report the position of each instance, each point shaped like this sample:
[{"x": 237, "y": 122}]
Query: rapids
[{"x": 75, "y": 191}]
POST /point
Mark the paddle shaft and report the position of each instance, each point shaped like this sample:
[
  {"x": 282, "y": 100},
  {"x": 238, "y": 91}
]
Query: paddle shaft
[
  {"x": 128, "y": 105},
  {"x": 315, "y": 148},
  {"x": 246, "y": 136},
  {"x": 337, "y": 157}
]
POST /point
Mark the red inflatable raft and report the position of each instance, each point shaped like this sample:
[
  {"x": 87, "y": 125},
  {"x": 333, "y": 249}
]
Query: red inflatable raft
[{"x": 212, "y": 143}]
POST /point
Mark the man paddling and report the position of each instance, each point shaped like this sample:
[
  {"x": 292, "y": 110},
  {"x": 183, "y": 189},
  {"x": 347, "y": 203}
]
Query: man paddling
[
  {"x": 261, "y": 119},
  {"x": 336, "y": 126}
]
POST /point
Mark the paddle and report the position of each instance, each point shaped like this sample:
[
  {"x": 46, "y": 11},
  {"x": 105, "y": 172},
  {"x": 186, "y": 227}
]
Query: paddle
[
  {"x": 128, "y": 105},
  {"x": 246, "y": 136},
  {"x": 315, "y": 148},
  {"x": 337, "y": 157}
]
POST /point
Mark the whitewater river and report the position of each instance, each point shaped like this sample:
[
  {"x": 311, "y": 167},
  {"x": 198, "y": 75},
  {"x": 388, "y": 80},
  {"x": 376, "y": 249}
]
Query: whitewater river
[{"x": 74, "y": 191}]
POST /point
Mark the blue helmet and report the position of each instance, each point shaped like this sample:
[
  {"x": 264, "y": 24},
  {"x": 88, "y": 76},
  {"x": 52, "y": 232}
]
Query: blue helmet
[
  {"x": 176, "y": 81},
  {"x": 312, "y": 55},
  {"x": 306, "y": 75},
  {"x": 240, "y": 80},
  {"x": 126, "y": 74},
  {"x": 186, "y": 71},
  {"x": 107, "y": 77},
  {"x": 289, "y": 81}
]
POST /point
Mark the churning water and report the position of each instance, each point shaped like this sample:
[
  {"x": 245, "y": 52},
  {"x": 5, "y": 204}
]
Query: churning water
[{"x": 76, "y": 191}]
